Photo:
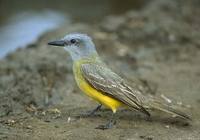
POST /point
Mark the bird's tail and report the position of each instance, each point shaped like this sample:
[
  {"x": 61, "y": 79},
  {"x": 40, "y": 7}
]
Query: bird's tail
[{"x": 171, "y": 109}]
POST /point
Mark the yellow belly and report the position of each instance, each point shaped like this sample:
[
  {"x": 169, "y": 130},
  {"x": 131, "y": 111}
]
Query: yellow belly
[
  {"x": 98, "y": 96},
  {"x": 93, "y": 93}
]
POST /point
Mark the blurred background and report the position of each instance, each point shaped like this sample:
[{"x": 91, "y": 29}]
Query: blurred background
[
  {"x": 154, "y": 44},
  {"x": 25, "y": 20}
]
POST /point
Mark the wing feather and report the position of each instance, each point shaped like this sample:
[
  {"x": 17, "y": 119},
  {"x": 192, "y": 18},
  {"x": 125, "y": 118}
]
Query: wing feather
[{"x": 108, "y": 82}]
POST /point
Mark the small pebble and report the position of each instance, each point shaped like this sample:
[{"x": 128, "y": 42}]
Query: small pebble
[
  {"x": 167, "y": 126},
  {"x": 29, "y": 127},
  {"x": 68, "y": 119}
]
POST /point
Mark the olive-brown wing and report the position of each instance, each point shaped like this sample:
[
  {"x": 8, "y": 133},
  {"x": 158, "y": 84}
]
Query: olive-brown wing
[{"x": 110, "y": 84}]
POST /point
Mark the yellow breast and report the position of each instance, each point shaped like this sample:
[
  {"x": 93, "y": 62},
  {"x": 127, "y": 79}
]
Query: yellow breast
[{"x": 91, "y": 91}]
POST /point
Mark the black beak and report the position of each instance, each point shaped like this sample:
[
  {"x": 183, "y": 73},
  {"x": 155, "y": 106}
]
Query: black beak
[{"x": 57, "y": 43}]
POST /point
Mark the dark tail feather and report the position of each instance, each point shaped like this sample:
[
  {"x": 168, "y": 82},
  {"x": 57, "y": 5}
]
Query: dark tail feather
[
  {"x": 169, "y": 109},
  {"x": 142, "y": 109}
]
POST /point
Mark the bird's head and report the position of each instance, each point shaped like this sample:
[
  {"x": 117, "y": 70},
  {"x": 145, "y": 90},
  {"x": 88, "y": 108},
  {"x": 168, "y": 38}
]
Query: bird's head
[{"x": 77, "y": 44}]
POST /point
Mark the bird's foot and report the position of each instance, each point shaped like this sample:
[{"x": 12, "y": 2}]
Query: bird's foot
[
  {"x": 90, "y": 113},
  {"x": 109, "y": 125}
]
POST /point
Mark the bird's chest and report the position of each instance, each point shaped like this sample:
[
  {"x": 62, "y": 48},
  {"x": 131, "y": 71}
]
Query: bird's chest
[{"x": 82, "y": 83}]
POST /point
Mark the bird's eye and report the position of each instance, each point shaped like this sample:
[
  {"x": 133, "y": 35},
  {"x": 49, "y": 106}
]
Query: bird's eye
[{"x": 73, "y": 41}]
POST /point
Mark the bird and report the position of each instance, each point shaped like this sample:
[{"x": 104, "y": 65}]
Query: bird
[{"x": 100, "y": 83}]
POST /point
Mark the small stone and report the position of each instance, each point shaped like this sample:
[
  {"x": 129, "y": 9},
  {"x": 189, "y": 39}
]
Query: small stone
[
  {"x": 54, "y": 111},
  {"x": 167, "y": 126},
  {"x": 68, "y": 119},
  {"x": 11, "y": 121},
  {"x": 43, "y": 113},
  {"x": 29, "y": 127}
]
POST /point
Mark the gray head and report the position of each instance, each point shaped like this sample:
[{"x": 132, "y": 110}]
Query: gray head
[{"x": 77, "y": 44}]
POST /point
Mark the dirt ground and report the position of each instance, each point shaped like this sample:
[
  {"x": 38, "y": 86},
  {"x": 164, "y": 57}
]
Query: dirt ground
[{"x": 159, "y": 45}]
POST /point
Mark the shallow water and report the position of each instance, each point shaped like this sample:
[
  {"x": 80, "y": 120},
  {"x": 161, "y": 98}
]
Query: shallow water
[
  {"x": 25, "y": 28},
  {"x": 25, "y": 21}
]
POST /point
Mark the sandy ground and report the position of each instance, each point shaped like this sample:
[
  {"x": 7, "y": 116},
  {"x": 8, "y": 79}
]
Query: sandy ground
[{"x": 159, "y": 45}]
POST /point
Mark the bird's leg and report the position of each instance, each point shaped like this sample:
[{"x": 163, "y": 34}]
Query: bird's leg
[
  {"x": 92, "y": 112},
  {"x": 109, "y": 124}
]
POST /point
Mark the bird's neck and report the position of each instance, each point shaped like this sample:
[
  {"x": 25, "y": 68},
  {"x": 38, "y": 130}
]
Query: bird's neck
[
  {"x": 77, "y": 64},
  {"x": 93, "y": 57}
]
